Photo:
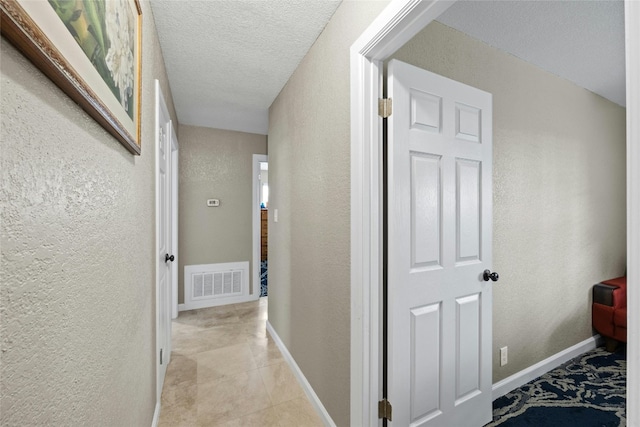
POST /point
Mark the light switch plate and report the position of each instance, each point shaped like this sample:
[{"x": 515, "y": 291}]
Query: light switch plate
[{"x": 504, "y": 356}]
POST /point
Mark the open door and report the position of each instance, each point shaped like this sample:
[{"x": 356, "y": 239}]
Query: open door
[
  {"x": 439, "y": 298},
  {"x": 164, "y": 233}
]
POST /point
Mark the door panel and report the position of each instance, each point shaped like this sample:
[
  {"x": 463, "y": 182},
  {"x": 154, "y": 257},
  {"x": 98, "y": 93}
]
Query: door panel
[
  {"x": 468, "y": 191},
  {"x": 425, "y": 210},
  {"x": 426, "y": 110},
  {"x": 468, "y": 351},
  {"x": 425, "y": 360},
  {"x": 439, "y": 243}
]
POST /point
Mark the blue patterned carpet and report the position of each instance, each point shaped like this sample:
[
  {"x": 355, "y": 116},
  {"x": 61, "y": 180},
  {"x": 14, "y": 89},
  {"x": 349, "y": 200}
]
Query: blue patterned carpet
[
  {"x": 263, "y": 278},
  {"x": 588, "y": 391}
]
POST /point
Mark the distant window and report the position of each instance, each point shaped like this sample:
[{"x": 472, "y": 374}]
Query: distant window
[{"x": 265, "y": 195}]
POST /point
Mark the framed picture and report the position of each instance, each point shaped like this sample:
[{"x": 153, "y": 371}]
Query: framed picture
[{"x": 91, "y": 49}]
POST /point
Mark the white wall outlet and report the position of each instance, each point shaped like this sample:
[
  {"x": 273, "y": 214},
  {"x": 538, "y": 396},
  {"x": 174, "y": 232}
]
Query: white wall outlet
[
  {"x": 275, "y": 215},
  {"x": 213, "y": 203},
  {"x": 504, "y": 356}
]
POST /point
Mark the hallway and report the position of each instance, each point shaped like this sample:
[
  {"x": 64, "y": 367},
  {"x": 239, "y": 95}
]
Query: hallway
[{"x": 226, "y": 370}]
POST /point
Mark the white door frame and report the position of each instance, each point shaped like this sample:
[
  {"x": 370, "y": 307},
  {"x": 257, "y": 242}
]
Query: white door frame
[
  {"x": 255, "y": 215},
  {"x": 173, "y": 170},
  {"x": 632, "y": 29},
  {"x": 396, "y": 25}
]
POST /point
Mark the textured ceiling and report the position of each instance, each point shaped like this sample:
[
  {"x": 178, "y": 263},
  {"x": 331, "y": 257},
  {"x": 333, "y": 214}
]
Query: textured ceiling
[
  {"x": 581, "y": 41},
  {"x": 227, "y": 60}
]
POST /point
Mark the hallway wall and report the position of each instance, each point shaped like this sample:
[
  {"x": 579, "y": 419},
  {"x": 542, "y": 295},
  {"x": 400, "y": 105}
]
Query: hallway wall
[
  {"x": 309, "y": 173},
  {"x": 77, "y": 262},
  {"x": 559, "y": 182},
  {"x": 215, "y": 164}
]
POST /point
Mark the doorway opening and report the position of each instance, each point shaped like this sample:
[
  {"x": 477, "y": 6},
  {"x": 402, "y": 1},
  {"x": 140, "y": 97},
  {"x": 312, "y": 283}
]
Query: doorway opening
[
  {"x": 392, "y": 29},
  {"x": 260, "y": 214},
  {"x": 263, "y": 179}
]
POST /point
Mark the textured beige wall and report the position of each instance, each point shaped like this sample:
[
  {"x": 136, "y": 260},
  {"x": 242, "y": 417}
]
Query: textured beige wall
[
  {"x": 215, "y": 164},
  {"x": 559, "y": 193},
  {"x": 77, "y": 272},
  {"x": 309, "y": 174}
]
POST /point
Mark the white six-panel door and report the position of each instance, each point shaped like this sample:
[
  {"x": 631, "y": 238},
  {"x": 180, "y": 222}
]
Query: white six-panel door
[
  {"x": 164, "y": 234},
  {"x": 439, "y": 244}
]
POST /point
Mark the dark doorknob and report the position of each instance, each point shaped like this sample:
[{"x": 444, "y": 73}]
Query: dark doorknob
[
  {"x": 168, "y": 258},
  {"x": 489, "y": 275}
]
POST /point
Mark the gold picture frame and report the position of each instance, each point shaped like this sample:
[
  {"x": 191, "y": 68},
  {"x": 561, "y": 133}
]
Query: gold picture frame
[{"x": 91, "y": 49}]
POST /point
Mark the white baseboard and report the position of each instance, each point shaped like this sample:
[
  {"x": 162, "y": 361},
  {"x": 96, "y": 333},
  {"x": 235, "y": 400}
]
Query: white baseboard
[
  {"x": 156, "y": 416},
  {"x": 313, "y": 397},
  {"x": 216, "y": 302},
  {"x": 532, "y": 372}
]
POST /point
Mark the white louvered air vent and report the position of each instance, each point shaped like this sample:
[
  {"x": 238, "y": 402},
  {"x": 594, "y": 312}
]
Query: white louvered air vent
[
  {"x": 209, "y": 282},
  {"x": 215, "y": 284}
]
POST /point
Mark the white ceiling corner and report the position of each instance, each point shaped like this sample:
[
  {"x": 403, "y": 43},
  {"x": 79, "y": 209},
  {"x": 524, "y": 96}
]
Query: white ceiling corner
[
  {"x": 581, "y": 41},
  {"x": 227, "y": 60}
]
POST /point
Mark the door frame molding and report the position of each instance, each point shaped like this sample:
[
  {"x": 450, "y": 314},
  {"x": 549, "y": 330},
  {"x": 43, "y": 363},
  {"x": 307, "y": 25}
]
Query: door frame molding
[
  {"x": 174, "y": 169},
  {"x": 397, "y": 24},
  {"x": 632, "y": 54},
  {"x": 255, "y": 215}
]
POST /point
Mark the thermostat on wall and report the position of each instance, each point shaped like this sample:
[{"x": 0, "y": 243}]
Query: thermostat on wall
[{"x": 212, "y": 203}]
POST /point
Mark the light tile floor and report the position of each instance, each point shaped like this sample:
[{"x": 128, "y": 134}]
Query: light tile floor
[{"x": 226, "y": 370}]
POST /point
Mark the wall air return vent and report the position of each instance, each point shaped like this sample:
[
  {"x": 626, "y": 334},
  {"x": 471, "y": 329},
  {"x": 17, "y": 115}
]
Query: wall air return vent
[{"x": 206, "y": 283}]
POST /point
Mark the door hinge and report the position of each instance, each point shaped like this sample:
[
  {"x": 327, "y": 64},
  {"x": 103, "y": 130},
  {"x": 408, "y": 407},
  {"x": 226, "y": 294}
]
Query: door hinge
[
  {"x": 384, "y": 410},
  {"x": 384, "y": 107},
  {"x": 161, "y": 356}
]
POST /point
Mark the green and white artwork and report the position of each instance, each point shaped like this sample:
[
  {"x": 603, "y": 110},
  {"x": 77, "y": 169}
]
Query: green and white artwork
[{"x": 106, "y": 32}]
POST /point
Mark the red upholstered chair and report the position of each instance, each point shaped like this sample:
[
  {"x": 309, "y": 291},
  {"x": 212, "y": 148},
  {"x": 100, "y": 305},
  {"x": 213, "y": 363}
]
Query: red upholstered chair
[{"x": 609, "y": 311}]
